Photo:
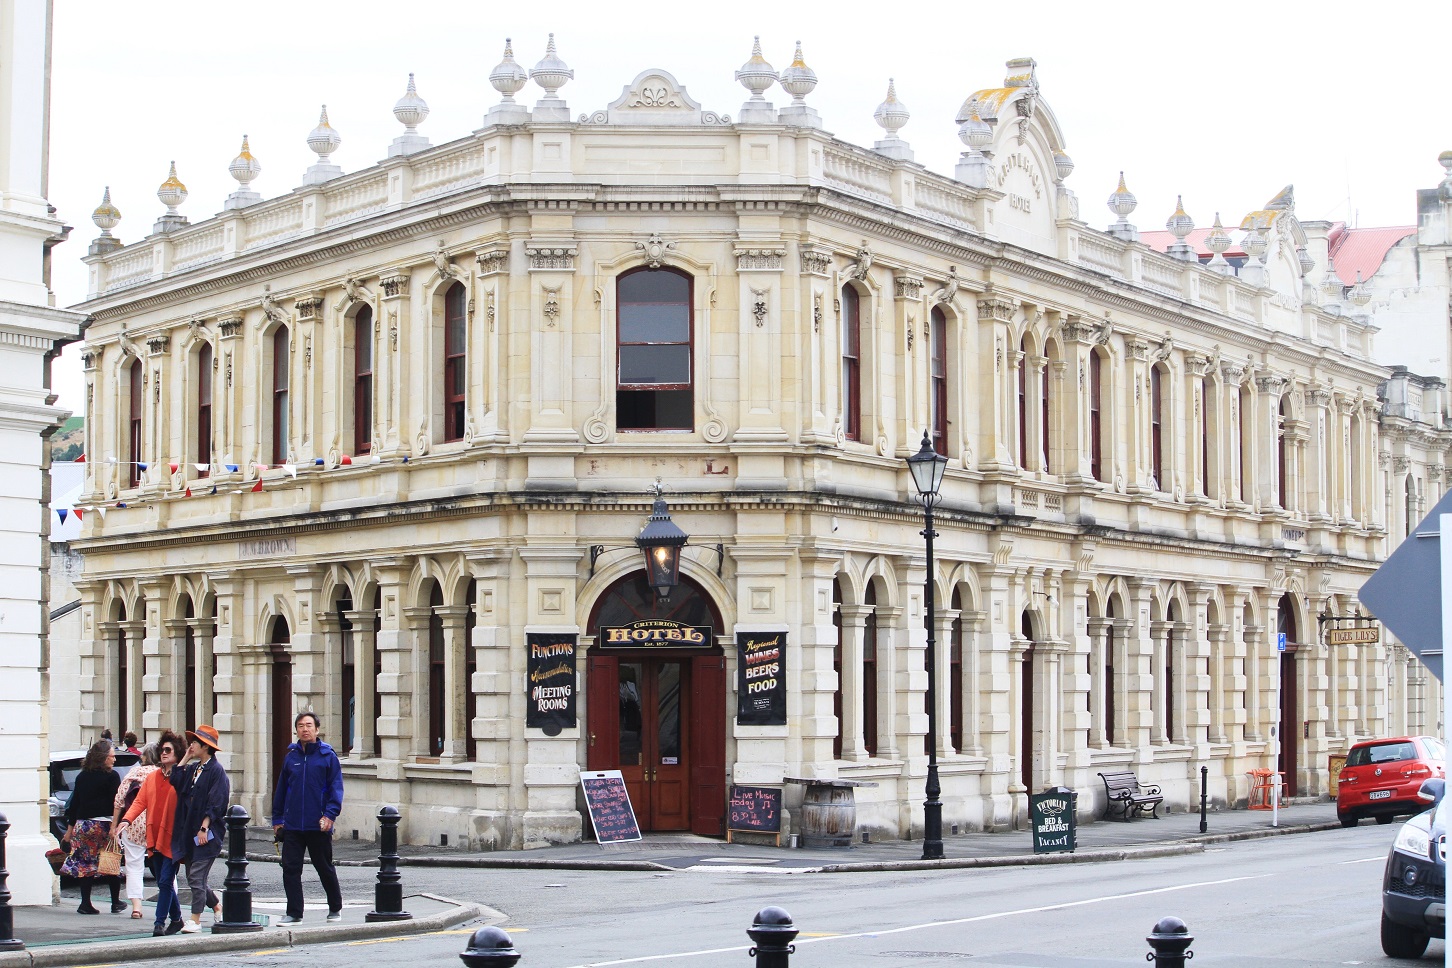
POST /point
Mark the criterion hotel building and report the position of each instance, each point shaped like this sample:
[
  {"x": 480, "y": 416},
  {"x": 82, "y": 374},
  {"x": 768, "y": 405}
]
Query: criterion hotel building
[{"x": 382, "y": 447}]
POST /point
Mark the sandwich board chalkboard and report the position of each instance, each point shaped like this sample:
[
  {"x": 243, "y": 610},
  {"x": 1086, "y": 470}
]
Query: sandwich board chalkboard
[
  {"x": 1051, "y": 818},
  {"x": 754, "y": 810},
  {"x": 609, "y": 804}
]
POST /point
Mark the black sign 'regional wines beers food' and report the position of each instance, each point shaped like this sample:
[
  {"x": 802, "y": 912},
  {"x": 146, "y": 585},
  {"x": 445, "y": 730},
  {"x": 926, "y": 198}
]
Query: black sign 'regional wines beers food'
[
  {"x": 761, "y": 678},
  {"x": 550, "y": 669}
]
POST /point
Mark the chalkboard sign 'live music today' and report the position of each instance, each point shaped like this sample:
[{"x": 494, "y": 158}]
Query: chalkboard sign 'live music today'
[
  {"x": 755, "y": 810},
  {"x": 551, "y": 673},
  {"x": 761, "y": 679},
  {"x": 609, "y": 804}
]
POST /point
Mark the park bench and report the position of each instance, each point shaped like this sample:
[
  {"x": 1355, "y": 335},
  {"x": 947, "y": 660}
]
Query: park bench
[{"x": 1129, "y": 798}]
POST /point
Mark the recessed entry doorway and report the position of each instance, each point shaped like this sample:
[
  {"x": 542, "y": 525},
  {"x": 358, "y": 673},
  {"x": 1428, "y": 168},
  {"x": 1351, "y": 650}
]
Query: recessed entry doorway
[{"x": 656, "y": 694}]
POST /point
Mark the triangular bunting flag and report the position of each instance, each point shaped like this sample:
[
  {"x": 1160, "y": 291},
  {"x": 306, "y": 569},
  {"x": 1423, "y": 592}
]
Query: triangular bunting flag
[
  {"x": 319, "y": 462},
  {"x": 344, "y": 461},
  {"x": 231, "y": 468},
  {"x": 141, "y": 465},
  {"x": 214, "y": 489},
  {"x": 258, "y": 485},
  {"x": 201, "y": 468},
  {"x": 173, "y": 465},
  {"x": 188, "y": 493},
  {"x": 62, "y": 512},
  {"x": 77, "y": 513},
  {"x": 291, "y": 471},
  {"x": 81, "y": 459},
  {"x": 120, "y": 504},
  {"x": 102, "y": 509}
]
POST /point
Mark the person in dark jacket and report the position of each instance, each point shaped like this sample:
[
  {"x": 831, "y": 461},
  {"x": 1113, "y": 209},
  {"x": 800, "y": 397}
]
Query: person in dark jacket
[
  {"x": 88, "y": 824},
  {"x": 305, "y": 804},
  {"x": 202, "y": 791}
]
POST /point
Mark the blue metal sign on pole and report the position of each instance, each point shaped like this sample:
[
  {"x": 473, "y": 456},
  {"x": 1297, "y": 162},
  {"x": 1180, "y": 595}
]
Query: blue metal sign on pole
[
  {"x": 1280, "y": 641},
  {"x": 1405, "y": 593}
]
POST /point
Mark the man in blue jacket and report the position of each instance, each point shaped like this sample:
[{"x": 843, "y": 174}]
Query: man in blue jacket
[{"x": 308, "y": 798}]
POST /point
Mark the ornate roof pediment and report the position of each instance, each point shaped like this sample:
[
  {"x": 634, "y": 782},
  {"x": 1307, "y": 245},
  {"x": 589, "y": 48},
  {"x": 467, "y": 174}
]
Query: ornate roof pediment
[{"x": 655, "y": 97}]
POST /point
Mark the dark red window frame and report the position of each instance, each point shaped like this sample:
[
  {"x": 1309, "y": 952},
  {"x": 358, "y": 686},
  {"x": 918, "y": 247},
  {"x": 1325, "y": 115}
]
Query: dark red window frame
[
  {"x": 650, "y": 306},
  {"x": 938, "y": 337},
  {"x": 363, "y": 381},
  {"x": 281, "y": 385},
  {"x": 851, "y": 364},
  {"x": 456, "y": 306}
]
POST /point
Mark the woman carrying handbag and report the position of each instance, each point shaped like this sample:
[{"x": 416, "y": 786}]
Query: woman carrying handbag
[
  {"x": 155, "y": 810},
  {"x": 88, "y": 825},
  {"x": 202, "y": 790}
]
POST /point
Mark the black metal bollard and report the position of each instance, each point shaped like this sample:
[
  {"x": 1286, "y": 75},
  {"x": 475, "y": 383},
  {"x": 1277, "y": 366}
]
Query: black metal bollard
[
  {"x": 388, "y": 892},
  {"x": 1204, "y": 786},
  {"x": 490, "y": 947},
  {"x": 8, "y": 941},
  {"x": 773, "y": 932},
  {"x": 1169, "y": 943},
  {"x": 236, "y": 888}
]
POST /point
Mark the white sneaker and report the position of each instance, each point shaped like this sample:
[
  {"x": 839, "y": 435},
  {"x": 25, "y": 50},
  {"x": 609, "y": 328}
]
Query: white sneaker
[{"x": 191, "y": 927}]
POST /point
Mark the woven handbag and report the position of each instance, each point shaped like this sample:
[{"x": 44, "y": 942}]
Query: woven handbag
[{"x": 109, "y": 861}]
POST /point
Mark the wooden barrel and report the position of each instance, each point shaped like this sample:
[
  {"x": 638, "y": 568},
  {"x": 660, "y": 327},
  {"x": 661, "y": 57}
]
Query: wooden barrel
[{"x": 829, "y": 816}]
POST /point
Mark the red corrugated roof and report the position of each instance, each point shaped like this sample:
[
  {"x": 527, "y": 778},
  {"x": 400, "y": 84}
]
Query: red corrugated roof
[
  {"x": 1196, "y": 240},
  {"x": 1363, "y": 250}
]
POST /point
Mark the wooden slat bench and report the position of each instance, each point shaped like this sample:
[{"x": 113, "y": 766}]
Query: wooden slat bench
[{"x": 1128, "y": 798}]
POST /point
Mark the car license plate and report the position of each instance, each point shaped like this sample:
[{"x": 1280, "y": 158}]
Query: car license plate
[{"x": 1378, "y": 794}]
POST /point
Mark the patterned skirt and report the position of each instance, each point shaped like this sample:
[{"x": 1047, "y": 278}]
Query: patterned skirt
[{"x": 87, "y": 841}]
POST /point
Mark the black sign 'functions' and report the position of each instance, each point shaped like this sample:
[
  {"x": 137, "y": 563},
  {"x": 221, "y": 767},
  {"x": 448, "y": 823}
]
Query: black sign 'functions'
[
  {"x": 761, "y": 678},
  {"x": 550, "y": 670}
]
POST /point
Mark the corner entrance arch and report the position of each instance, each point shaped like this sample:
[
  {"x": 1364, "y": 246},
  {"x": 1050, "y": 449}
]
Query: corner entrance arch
[{"x": 656, "y": 711}]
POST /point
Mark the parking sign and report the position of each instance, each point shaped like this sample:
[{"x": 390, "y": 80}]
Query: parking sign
[{"x": 1280, "y": 641}]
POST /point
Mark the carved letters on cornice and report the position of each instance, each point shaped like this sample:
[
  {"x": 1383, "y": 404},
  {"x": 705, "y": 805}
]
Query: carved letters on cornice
[
  {"x": 997, "y": 309},
  {"x": 492, "y": 261},
  {"x": 550, "y": 256},
  {"x": 230, "y": 327},
  {"x": 816, "y": 262},
  {"x": 395, "y": 285},
  {"x": 759, "y": 256},
  {"x": 907, "y": 287}
]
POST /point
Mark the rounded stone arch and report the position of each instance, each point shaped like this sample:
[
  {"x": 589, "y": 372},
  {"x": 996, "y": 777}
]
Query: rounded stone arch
[
  {"x": 852, "y": 575},
  {"x": 426, "y": 573},
  {"x": 1117, "y": 597},
  {"x": 962, "y": 578},
  {"x": 1216, "y": 612},
  {"x": 629, "y": 597},
  {"x": 1176, "y": 602},
  {"x": 455, "y": 579},
  {"x": 1032, "y": 617},
  {"x": 1292, "y": 617},
  {"x": 273, "y": 609},
  {"x": 883, "y": 577}
]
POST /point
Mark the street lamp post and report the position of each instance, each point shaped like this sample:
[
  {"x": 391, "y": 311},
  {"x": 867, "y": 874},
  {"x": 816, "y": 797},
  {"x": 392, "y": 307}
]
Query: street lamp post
[
  {"x": 661, "y": 541},
  {"x": 926, "y": 467}
]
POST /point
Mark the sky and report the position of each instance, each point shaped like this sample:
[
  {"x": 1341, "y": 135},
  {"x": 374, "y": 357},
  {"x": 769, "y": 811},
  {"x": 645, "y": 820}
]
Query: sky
[{"x": 1223, "y": 104}]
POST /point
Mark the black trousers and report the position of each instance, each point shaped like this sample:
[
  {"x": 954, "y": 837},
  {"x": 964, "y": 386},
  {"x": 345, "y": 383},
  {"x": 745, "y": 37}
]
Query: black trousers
[{"x": 319, "y": 847}]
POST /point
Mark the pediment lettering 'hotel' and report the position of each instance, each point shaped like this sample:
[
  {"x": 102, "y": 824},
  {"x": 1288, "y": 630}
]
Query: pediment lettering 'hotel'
[{"x": 382, "y": 447}]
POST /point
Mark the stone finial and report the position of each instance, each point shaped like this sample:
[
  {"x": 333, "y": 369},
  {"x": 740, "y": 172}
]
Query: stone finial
[
  {"x": 323, "y": 140},
  {"x": 106, "y": 216},
  {"x": 551, "y": 73},
  {"x": 244, "y": 168},
  {"x": 757, "y": 76},
  {"x": 508, "y": 78},
  {"x": 1063, "y": 164},
  {"x": 172, "y": 193},
  {"x": 1304, "y": 259},
  {"x": 1331, "y": 286},
  {"x": 1181, "y": 225},
  {"x": 799, "y": 80},
  {"x": 1217, "y": 242},
  {"x": 972, "y": 167},
  {"x": 1122, "y": 202},
  {"x": 410, "y": 110},
  {"x": 1445, "y": 160},
  {"x": 1359, "y": 295},
  {"x": 892, "y": 114}
]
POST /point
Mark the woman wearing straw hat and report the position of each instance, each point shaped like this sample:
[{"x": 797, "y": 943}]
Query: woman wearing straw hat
[{"x": 202, "y": 791}]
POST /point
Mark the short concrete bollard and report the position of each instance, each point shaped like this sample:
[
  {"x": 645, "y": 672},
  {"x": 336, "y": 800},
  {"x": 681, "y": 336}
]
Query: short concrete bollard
[
  {"x": 8, "y": 941},
  {"x": 1169, "y": 944},
  {"x": 490, "y": 947},
  {"x": 236, "y": 888},
  {"x": 773, "y": 932},
  {"x": 388, "y": 892}
]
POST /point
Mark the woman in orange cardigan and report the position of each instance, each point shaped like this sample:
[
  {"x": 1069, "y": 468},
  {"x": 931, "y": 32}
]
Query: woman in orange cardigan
[{"x": 157, "y": 799}]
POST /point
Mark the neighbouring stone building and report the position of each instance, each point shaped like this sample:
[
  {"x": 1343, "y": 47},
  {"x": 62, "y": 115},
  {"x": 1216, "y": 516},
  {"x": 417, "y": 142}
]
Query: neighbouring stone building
[
  {"x": 32, "y": 332},
  {"x": 377, "y": 446}
]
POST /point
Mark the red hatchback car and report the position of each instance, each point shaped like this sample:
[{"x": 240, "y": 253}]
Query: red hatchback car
[{"x": 1382, "y": 776}]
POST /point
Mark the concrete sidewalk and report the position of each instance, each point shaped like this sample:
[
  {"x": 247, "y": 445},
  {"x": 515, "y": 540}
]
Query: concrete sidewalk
[{"x": 59, "y": 936}]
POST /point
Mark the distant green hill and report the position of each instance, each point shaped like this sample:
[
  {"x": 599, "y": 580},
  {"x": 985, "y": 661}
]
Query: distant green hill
[{"x": 66, "y": 443}]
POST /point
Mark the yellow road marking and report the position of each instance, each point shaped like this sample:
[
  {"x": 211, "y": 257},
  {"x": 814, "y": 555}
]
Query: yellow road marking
[
  {"x": 819, "y": 934},
  {"x": 269, "y": 951}
]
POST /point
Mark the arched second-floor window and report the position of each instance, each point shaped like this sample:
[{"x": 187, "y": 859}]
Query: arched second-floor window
[
  {"x": 851, "y": 364},
  {"x": 281, "y": 385},
  {"x": 1045, "y": 395},
  {"x": 938, "y": 376},
  {"x": 654, "y": 387},
  {"x": 1282, "y": 455},
  {"x": 203, "y": 447},
  {"x": 1157, "y": 429},
  {"x": 1096, "y": 417},
  {"x": 1023, "y": 405},
  {"x": 456, "y": 371},
  {"x": 363, "y": 381},
  {"x": 136, "y": 400}
]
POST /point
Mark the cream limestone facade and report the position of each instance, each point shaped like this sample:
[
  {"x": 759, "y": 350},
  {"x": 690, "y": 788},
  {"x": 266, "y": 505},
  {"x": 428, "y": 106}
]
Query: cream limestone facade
[
  {"x": 397, "y": 421},
  {"x": 32, "y": 332}
]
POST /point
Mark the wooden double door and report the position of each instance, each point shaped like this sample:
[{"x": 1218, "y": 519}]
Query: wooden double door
[{"x": 660, "y": 719}]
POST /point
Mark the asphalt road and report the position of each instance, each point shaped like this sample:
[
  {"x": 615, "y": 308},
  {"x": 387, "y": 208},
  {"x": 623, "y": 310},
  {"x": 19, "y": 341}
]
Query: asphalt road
[{"x": 1305, "y": 900}]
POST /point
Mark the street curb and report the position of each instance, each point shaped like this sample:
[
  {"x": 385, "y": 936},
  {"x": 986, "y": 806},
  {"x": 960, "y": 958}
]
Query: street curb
[
  {"x": 1016, "y": 860},
  {"x": 180, "y": 946}
]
